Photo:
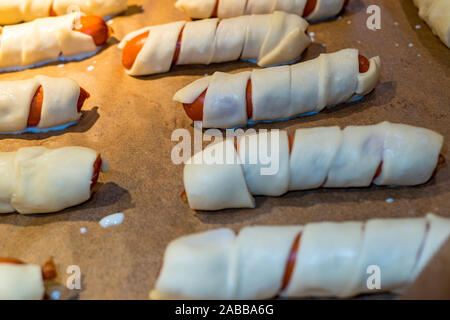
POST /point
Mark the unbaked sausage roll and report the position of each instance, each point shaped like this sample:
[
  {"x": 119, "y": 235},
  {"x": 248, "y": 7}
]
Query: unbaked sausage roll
[
  {"x": 325, "y": 259},
  {"x": 227, "y": 176},
  {"x": 311, "y": 10},
  {"x": 268, "y": 39},
  {"x": 21, "y": 281},
  {"x": 40, "y": 104},
  {"x": 41, "y": 180},
  {"x": 436, "y": 14},
  {"x": 230, "y": 100},
  {"x": 15, "y": 11},
  {"x": 71, "y": 37}
]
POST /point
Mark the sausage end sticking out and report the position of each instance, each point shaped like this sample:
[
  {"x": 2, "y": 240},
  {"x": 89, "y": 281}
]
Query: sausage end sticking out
[
  {"x": 49, "y": 270},
  {"x": 132, "y": 49},
  {"x": 96, "y": 173},
  {"x": 84, "y": 95},
  {"x": 364, "y": 64},
  {"x": 184, "y": 196},
  {"x": 95, "y": 27}
]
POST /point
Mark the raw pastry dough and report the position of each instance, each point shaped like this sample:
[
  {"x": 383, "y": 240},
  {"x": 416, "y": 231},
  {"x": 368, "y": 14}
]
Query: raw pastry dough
[
  {"x": 21, "y": 282},
  {"x": 282, "y": 92},
  {"x": 436, "y": 13},
  {"x": 320, "y": 157},
  {"x": 58, "y": 108},
  {"x": 40, "y": 180},
  {"x": 42, "y": 41},
  {"x": 15, "y": 11},
  {"x": 269, "y": 39},
  {"x": 201, "y": 9},
  {"x": 332, "y": 259}
]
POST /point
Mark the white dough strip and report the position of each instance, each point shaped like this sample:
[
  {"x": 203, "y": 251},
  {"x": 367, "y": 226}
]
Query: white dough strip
[
  {"x": 269, "y": 39},
  {"x": 326, "y": 259},
  {"x": 357, "y": 156}
]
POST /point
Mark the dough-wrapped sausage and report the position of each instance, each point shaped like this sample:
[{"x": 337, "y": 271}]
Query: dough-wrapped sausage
[
  {"x": 223, "y": 176},
  {"x": 268, "y": 39},
  {"x": 40, "y": 104},
  {"x": 71, "y": 37},
  {"x": 15, "y": 11},
  {"x": 436, "y": 14},
  {"x": 41, "y": 180},
  {"x": 312, "y": 10},
  {"x": 325, "y": 259},
  {"x": 230, "y": 100}
]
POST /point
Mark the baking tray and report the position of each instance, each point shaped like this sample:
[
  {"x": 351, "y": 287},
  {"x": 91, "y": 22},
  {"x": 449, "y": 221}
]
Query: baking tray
[{"x": 130, "y": 121}]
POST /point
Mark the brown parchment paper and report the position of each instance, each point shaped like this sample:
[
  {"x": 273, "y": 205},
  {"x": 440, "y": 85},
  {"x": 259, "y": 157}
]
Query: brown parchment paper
[{"x": 130, "y": 121}]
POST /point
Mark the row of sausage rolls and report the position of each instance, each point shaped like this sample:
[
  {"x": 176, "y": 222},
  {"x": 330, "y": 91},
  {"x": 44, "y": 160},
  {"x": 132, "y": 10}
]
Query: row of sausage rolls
[
  {"x": 316, "y": 260},
  {"x": 225, "y": 175},
  {"x": 41, "y": 180},
  {"x": 71, "y": 37},
  {"x": 436, "y": 14},
  {"x": 22, "y": 281},
  {"x": 15, "y": 11},
  {"x": 312, "y": 10},
  {"x": 40, "y": 104},
  {"x": 230, "y": 100},
  {"x": 269, "y": 39}
]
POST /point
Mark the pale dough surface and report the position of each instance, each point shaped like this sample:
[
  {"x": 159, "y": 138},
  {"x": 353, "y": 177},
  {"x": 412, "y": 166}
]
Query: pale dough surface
[
  {"x": 268, "y": 39},
  {"x": 41, "y": 180},
  {"x": 321, "y": 157},
  {"x": 21, "y": 282},
  {"x": 332, "y": 259},
  {"x": 16, "y": 11}
]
